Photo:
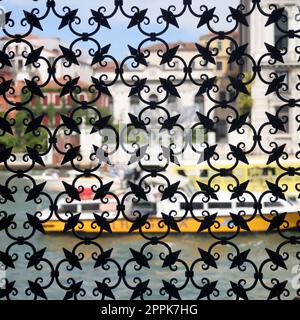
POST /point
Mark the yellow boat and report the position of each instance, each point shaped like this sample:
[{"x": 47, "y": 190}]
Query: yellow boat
[
  {"x": 188, "y": 225},
  {"x": 217, "y": 215},
  {"x": 257, "y": 172}
]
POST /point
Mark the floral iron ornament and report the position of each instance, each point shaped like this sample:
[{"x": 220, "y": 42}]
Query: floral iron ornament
[{"x": 109, "y": 271}]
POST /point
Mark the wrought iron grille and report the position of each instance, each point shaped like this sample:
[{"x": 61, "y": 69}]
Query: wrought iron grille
[{"x": 237, "y": 140}]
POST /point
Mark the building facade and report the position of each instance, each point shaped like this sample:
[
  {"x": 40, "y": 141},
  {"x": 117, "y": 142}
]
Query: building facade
[
  {"x": 290, "y": 69},
  {"x": 50, "y": 51},
  {"x": 119, "y": 104},
  {"x": 52, "y": 104},
  {"x": 123, "y": 104},
  {"x": 222, "y": 71}
]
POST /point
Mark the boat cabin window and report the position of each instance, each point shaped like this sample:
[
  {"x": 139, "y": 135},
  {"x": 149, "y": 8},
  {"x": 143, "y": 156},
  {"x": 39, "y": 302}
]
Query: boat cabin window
[
  {"x": 196, "y": 205},
  {"x": 219, "y": 205},
  {"x": 268, "y": 172},
  {"x": 145, "y": 208},
  {"x": 144, "y": 205},
  {"x": 273, "y": 204},
  {"x": 244, "y": 204},
  {"x": 181, "y": 172},
  {"x": 183, "y": 206},
  {"x": 69, "y": 208},
  {"x": 204, "y": 173},
  {"x": 90, "y": 207}
]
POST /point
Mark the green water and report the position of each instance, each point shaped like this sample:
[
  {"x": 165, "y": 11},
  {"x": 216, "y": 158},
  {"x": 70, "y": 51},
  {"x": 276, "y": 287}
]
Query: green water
[{"x": 121, "y": 244}]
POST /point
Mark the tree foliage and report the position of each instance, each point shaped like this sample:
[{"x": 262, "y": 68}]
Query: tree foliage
[{"x": 39, "y": 140}]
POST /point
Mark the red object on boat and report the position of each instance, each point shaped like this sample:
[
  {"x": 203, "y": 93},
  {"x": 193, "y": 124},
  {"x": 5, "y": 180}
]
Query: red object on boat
[{"x": 87, "y": 193}]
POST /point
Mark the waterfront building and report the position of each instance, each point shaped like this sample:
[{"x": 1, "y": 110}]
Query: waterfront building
[{"x": 287, "y": 70}]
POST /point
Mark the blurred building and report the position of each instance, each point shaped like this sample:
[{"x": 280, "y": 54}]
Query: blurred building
[
  {"x": 6, "y": 74},
  {"x": 186, "y": 105},
  {"x": 222, "y": 71},
  {"x": 122, "y": 104},
  {"x": 52, "y": 104},
  {"x": 50, "y": 51},
  {"x": 256, "y": 35},
  {"x": 119, "y": 104}
]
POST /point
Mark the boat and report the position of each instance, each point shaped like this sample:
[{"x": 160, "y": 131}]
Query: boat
[
  {"x": 54, "y": 179},
  {"x": 224, "y": 211},
  {"x": 257, "y": 172}
]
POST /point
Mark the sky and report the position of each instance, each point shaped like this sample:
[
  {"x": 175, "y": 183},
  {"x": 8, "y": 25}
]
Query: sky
[{"x": 119, "y": 36}]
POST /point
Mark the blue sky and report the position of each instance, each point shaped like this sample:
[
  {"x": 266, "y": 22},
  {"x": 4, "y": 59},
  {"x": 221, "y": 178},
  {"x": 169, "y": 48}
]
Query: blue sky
[{"x": 118, "y": 36}]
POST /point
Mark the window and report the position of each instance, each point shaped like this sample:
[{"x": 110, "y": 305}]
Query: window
[
  {"x": 57, "y": 119},
  {"x": 46, "y": 120},
  {"x": 284, "y": 73},
  {"x": 183, "y": 206},
  {"x": 110, "y": 104},
  {"x": 181, "y": 172},
  {"x": 69, "y": 208},
  {"x": 45, "y": 101},
  {"x": 134, "y": 104},
  {"x": 173, "y": 104},
  {"x": 283, "y": 115},
  {"x": 204, "y": 173},
  {"x": 199, "y": 103},
  {"x": 57, "y": 100},
  {"x": 273, "y": 204},
  {"x": 222, "y": 95},
  {"x": 51, "y": 60},
  {"x": 20, "y": 64},
  {"x": 219, "y": 205},
  {"x": 145, "y": 208},
  {"x": 245, "y": 204},
  {"x": 219, "y": 65},
  {"x": 281, "y": 29},
  {"x": 221, "y": 130},
  {"x": 172, "y": 100},
  {"x": 268, "y": 171},
  {"x": 219, "y": 45},
  {"x": 69, "y": 101},
  {"x": 90, "y": 207},
  {"x": 196, "y": 206},
  {"x": 153, "y": 97},
  {"x": 232, "y": 94}
]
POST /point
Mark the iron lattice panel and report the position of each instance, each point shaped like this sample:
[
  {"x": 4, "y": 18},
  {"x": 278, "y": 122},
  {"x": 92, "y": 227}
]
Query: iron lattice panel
[{"x": 65, "y": 274}]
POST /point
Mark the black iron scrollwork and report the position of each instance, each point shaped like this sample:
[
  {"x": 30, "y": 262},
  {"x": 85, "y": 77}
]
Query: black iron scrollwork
[{"x": 133, "y": 272}]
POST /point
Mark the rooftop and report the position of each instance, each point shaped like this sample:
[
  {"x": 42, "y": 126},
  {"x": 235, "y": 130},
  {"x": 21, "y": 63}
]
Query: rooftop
[{"x": 183, "y": 46}]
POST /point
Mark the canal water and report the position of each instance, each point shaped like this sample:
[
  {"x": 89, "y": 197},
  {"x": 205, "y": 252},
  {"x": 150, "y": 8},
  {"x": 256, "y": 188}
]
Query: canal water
[{"x": 121, "y": 244}]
